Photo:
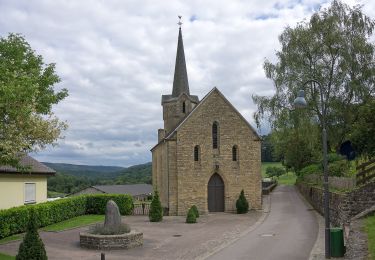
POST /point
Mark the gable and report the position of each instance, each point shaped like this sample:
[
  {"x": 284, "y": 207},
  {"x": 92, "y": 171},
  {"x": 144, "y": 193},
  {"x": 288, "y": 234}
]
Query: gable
[{"x": 214, "y": 94}]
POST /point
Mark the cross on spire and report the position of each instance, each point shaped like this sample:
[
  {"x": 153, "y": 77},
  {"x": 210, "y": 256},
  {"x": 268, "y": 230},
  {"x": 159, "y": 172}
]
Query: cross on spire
[{"x": 179, "y": 22}]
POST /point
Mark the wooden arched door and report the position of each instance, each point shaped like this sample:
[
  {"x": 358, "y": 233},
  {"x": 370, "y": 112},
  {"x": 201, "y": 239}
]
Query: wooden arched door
[{"x": 215, "y": 194}]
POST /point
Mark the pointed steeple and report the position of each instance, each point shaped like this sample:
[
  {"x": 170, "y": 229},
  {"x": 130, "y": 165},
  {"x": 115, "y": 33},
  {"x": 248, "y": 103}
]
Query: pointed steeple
[{"x": 180, "y": 81}]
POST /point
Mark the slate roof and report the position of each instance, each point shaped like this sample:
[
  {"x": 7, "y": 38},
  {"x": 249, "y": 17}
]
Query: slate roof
[
  {"x": 33, "y": 167},
  {"x": 170, "y": 98},
  {"x": 180, "y": 79},
  {"x": 131, "y": 189}
]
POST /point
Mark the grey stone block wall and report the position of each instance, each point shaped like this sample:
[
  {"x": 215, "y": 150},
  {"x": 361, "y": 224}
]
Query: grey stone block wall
[{"x": 343, "y": 206}]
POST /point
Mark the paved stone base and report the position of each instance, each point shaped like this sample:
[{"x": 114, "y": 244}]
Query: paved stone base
[{"x": 123, "y": 241}]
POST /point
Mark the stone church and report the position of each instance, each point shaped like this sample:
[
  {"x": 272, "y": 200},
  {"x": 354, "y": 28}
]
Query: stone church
[{"x": 206, "y": 153}]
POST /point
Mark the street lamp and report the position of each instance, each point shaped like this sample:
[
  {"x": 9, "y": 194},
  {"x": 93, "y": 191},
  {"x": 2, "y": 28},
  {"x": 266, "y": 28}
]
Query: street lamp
[{"x": 300, "y": 102}]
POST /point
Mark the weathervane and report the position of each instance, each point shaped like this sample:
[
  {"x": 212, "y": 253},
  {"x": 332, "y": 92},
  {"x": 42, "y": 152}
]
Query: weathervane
[{"x": 179, "y": 22}]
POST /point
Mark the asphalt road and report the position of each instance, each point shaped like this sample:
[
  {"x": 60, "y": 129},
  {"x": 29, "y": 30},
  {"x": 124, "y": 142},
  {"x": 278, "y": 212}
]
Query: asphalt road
[{"x": 289, "y": 231}]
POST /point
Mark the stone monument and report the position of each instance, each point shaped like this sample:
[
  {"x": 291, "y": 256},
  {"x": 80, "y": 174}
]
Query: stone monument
[{"x": 113, "y": 234}]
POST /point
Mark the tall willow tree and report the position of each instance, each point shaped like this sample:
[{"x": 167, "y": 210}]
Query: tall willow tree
[
  {"x": 26, "y": 98},
  {"x": 333, "y": 47}
]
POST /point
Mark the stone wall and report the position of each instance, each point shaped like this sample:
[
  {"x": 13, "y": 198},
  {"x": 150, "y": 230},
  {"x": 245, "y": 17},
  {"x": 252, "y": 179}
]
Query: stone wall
[
  {"x": 193, "y": 177},
  {"x": 123, "y": 241},
  {"x": 343, "y": 206},
  {"x": 183, "y": 182}
]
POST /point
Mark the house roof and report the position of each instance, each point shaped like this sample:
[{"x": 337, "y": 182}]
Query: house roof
[
  {"x": 31, "y": 166},
  {"x": 131, "y": 189}
]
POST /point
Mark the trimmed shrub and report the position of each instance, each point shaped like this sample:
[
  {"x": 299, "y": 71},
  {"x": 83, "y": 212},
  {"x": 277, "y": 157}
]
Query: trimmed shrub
[
  {"x": 96, "y": 203},
  {"x": 195, "y": 209},
  {"x": 156, "y": 211},
  {"x": 15, "y": 220},
  {"x": 32, "y": 246},
  {"x": 311, "y": 169},
  {"x": 191, "y": 217},
  {"x": 275, "y": 171},
  {"x": 241, "y": 204}
]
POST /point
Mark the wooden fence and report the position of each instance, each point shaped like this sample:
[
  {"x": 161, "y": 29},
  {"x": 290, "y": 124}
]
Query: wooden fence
[
  {"x": 340, "y": 183},
  {"x": 366, "y": 172},
  {"x": 141, "y": 208}
]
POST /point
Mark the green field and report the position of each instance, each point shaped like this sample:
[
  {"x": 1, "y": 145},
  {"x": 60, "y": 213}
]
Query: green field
[
  {"x": 370, "y": 230},
  {"x": 75, "y": 222},
  {"x": 287, "y": 179},
  {"x": 6, "y": 257}
]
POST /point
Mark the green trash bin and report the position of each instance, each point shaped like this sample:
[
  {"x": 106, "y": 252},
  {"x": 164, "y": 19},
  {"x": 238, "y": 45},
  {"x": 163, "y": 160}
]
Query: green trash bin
[{"x": 337, "y": 242}]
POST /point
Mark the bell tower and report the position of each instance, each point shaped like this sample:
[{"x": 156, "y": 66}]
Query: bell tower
[{"x": 178, "y": 105}]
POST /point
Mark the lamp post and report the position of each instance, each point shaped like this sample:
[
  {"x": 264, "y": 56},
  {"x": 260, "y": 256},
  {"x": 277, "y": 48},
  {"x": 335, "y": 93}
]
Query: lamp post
[{"x": 300, "y": 102}]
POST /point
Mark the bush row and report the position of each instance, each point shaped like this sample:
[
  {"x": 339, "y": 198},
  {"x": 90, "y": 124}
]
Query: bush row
[{"x": 14, "y": 220}]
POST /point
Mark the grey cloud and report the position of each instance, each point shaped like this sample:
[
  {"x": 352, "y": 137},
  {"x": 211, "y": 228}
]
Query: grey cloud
[{"x": 116, "y": 58}]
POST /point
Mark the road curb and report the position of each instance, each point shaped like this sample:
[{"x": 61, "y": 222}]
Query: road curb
[{"x": 318, "y": 250}]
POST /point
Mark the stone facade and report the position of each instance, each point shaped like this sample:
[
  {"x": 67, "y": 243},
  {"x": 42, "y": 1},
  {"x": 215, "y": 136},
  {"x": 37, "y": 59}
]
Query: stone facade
[{"x": 182, "y": 182}]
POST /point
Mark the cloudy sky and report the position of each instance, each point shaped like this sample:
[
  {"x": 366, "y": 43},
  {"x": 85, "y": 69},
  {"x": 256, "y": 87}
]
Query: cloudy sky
[{"x": 116, "y": 58}]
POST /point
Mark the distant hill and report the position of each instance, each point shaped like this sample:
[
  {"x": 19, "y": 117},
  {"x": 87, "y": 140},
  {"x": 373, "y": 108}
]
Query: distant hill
[
  {"x": 89, "y": 171},
  {"x": 72, "y": 178},
  {"x": 141, "y": 173}
]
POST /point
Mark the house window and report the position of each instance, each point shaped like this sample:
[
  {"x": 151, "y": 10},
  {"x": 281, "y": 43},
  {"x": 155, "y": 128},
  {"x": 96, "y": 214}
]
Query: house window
[
  {"x": 215, "y": 134},
  {"x": 235, "y": 153},
  {"x": 30, "y": 193},
  {"x": 196, "y": 153},
  {"x": 183, "y": 107}
]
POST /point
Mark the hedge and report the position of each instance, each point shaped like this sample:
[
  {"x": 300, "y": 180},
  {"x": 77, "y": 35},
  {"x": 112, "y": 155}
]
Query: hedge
[{"x": 14, "y": 220}]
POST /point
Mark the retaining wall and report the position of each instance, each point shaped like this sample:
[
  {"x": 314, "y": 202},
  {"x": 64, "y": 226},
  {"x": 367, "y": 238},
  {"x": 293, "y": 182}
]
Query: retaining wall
[{"x": 343, "y": 206}]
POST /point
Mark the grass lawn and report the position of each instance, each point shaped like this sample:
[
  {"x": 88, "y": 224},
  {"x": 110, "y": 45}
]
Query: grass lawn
[
  {"x": 74, "y": 222},
  {"x": 288, "y": 178},
  {"x": 370, "y": 230},
  {"x": 54, "y": 194},
  {"x": 10, "y": 238},
  {"x": 6, "y": 257},
  {"x": 265, "y": 165}
]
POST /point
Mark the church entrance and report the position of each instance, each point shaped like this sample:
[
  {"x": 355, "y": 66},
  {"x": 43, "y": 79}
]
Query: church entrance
[{"x": 216, "y": 194}]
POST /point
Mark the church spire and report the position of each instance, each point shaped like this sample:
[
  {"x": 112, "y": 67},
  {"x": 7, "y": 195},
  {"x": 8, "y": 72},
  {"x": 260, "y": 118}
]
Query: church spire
[{"x": 180, "y": 81}]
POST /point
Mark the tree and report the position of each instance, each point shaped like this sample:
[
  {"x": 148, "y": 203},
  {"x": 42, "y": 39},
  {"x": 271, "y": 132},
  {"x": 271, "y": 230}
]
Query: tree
[
  {"x": 333, "y": 47},
  {"x": 274, "y": 171},
  {"x": 156, "y": 211},
  {"x": 191, "y": 217},
  {"x": 363, "y": 129},
  {"x": 32, "y": 246},
  {"x": 242, "y": 204},
  {"x": 267, "y": 149},
  {"x": 26, "y": 98}
]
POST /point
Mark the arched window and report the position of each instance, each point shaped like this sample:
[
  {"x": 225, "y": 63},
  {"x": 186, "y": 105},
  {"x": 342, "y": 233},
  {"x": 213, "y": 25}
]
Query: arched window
[
  {"x": 196, "y": 153},
  {"x": 215, "y": 135},
  {"x": 183, "y": 107},
  {"x": 235, "y": 153}
]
